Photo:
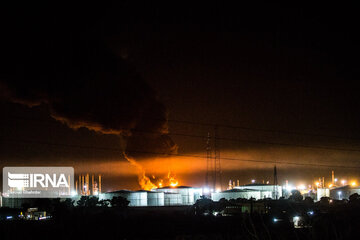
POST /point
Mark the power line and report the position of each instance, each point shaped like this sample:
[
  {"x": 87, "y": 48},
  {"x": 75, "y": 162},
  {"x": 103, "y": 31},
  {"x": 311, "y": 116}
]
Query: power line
[
  {"x": 212, "y": 125},
  {"x": 250, "y": 141},
  {"x": 177, "y": 154}
]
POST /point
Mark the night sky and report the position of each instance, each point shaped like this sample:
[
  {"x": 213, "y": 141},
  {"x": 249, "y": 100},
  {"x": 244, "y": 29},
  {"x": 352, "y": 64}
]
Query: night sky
[{"x": 80, "y": 85}]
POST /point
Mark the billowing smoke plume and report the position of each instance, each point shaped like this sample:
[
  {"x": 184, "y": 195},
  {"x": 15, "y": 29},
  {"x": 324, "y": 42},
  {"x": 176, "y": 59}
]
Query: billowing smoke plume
[{"x": 71, "y": 69}]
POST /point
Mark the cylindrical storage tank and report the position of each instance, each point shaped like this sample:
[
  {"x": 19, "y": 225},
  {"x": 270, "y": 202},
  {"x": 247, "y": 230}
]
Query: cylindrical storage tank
[
  {"x": 252, "y": 194},
  {"x": 197, "y": 194},
  {"x": 172, "y": 199},
  {"x": 123, "y": 193},
  {"x": 266, "y": 194},
  {"x": 155, "y": 198},
  {"x": 138, "y": 199},
  {"x": 322, "y": 192},
  {"x": 187, "y": 195},
  {"x": 235, "y": 194}
]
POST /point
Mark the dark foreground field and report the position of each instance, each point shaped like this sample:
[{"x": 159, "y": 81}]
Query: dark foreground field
[{"x": 176, "y": 223}]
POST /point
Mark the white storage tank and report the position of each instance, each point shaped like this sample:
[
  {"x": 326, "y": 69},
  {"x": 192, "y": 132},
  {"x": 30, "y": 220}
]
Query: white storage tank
[
  {"x": 136, "y": 199},
  {"x": 198, "y": 192},
  {"x": 266, "y": 194},
  {"x": 172, "y": 199},
  {"x": 155, "y": 198},
  {"x": 274, "y": 189},
  {"x": 235, "y": 194},
  {"x": 187, "y": 193},
  {"x": 322, "y": 192}
]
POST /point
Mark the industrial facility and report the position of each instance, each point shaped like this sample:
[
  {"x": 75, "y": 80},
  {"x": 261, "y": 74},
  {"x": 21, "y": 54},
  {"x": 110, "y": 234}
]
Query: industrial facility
[
  {"x": 90, "y": 185},
  {"x": 256, "y": 191},
  {"x": 83, "y": 187},
  {"x": 166, "y": 196},
  {"x": 184, "y": 195}
]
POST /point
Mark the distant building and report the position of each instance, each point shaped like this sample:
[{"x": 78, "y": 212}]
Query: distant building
[
  {"x": 343, "y": 192},
  {"x": 266, "y": 190},
  {"x": 256, "y": 191}
]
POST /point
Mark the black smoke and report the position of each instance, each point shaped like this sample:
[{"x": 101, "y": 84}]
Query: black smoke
[{"x": 65, "y": 62}]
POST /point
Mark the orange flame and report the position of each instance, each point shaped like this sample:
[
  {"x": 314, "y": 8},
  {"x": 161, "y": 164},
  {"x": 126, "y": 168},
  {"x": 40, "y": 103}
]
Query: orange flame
[
  {"x": 172, "y": 181},
  {"x": 146, "y": 183}
]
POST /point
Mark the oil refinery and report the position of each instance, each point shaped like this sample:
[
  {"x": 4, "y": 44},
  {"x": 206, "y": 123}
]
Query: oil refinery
[{"x": 174, "y": 195}]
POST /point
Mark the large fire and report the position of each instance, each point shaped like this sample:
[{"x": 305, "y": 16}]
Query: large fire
[
  {"x": 146, "y": 183},
  {"x": 173, "y": 182}
]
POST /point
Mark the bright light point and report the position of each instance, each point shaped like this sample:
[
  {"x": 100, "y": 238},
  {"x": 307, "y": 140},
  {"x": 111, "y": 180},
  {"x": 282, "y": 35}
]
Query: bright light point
[
  {"x": 339, "y": 193},
  {"x": 253, "y": 181},
  {"x": 353, "y": 183},
  {"x": 311, "y": 212},
  {"x": 343, "y": 182},
  {"x": 289, "y": 188},
  {"x": 301, "y": 187},
  {"x": 330, "y": 185},
  {"x": 206, "y": 190},
  {"x": 317, "y": 184},
  {"x": 275, "y": 220},
  {"x": 335, "y": 179}
]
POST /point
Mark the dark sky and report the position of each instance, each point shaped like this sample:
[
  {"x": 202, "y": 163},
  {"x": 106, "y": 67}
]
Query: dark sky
[{"x": 280, "y": 83}]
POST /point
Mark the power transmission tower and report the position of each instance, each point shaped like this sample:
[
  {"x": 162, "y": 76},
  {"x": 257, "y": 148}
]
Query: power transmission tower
[
  {"x": 217, "y": 162},
  {"x": 208, "y": 161},
  {"x": 275, "y": 183}
]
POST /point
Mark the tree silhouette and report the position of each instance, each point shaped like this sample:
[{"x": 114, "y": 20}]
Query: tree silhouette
[
  {"x": 119, "y": 202},
  {"x": 86, "y": 201},
  {"x": 354, "y": 198},
  {"x": 296, "y": 196}
]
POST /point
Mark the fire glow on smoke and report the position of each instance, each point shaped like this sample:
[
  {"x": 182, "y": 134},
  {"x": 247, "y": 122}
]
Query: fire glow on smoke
[{"x": 148, "y": 184}]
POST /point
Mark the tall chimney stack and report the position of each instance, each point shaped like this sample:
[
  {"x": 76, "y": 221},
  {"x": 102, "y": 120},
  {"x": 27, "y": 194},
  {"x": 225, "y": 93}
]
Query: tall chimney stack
[
  {"x": 83, "y": 185},
  {"x": 87, "y": 185},
  {"x": 92, "y": 185},
  {"x": 69, "y": 188},
  {"x": 99, "y": 183}
]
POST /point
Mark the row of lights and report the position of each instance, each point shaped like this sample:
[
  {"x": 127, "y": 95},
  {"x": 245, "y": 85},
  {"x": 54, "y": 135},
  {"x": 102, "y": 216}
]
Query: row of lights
[
  {"x": 317, "y": 184},
  {"x": 343, "y": 183},
  {"x": 207, "y": 190}
]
